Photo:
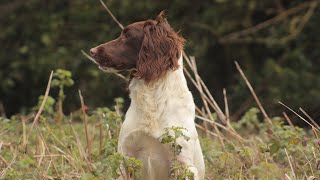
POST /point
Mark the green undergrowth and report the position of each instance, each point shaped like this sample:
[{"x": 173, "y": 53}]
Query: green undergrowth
[
  {"x": 61, "y": 151},
  {"x": 265, "y": 153}
]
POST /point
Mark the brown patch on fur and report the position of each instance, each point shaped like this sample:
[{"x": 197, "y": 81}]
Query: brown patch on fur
[{"x": 160, "y": 51}]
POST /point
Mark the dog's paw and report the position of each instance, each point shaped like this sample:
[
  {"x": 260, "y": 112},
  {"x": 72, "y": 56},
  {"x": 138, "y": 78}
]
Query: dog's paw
[{"x": 195, "y": 172}]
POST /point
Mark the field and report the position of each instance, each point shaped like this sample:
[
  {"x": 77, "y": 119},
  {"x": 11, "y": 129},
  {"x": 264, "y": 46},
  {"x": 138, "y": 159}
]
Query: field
[{"x": 46, "y": 144}]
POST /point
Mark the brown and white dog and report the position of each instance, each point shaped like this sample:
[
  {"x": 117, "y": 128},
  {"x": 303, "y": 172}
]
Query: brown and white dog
[{"x": 160, "y": 98}]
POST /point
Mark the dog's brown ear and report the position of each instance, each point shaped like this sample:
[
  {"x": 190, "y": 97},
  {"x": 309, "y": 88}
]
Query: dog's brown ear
[
  {"x": 160, "y": 51},
  {"x": 161, "y": 17}
]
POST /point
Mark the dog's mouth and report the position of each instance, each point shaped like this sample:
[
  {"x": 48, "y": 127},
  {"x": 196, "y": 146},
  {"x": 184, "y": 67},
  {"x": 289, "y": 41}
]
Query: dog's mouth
[
  {"x": 102, "y": 67},
  {"x": 107, "y": 67}
]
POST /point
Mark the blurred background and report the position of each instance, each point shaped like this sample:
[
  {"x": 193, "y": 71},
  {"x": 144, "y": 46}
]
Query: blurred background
[{"x": 276, "y": 42}]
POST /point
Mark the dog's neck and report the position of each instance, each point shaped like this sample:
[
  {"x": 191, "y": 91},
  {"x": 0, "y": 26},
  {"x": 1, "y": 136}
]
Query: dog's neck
[
  {"x": 171, "y": 79},
  {"x": 171, "y": 85}
]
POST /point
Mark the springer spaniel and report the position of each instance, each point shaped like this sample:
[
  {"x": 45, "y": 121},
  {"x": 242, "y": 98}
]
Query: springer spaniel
[{"x": 159, "y": 96}]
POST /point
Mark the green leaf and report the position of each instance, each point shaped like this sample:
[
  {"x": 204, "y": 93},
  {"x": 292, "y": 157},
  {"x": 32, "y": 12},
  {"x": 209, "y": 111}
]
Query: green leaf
[
  {"x": 178, "y": 149},
  {"x": 167, "y": 139},
  {"x": 294, "y": 140},
  {"x": 274, "y": 148}
]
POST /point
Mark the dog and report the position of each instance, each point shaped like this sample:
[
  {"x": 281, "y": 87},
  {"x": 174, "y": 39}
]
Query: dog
[{"x": 160, "y": 98}]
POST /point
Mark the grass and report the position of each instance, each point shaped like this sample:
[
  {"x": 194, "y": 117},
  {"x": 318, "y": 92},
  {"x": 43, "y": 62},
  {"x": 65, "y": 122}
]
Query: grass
[
  {"x": 82, "y": 145},
  {"x": 66, "y": 151}
]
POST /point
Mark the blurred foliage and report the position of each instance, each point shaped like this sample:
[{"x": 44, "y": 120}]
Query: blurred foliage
[{"x": 38, "y": 36}]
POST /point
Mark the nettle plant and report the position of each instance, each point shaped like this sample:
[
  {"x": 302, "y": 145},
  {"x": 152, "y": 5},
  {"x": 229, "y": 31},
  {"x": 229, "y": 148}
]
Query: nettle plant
[
  {"x": 113, "y": 164},
  {"x": 177, "y": 170},
  {"x": 48, "y": 109},
  {"x": 61, "y": 79}
]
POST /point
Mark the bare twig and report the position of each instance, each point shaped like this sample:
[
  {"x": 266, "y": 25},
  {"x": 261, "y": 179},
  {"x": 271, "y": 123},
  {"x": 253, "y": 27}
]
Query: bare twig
[
  {"x": 210, "y": 99},
  {"x": 310, "y": 118},
  {"x": 227, "y": 109},
  {"x": 294, "y": 174},
  {"x": 194, "y": 68},
  {"x": 308, "y": 162},
  {"x": 253, "y": 93},
  {"x": 35, "y": 120},
  {"x": 4, "y": 160},
  {"x": 110, "y": 13},
  {"x": 85, "y": 119},
  {"x": 299, "y": 116},
  {"x": 232, "y": 133},
  {"x": 287, "y": 176},
  {"x": 95, "y": 62},
  {"x": 289, "y": 120},
  {"x": 2, "y": 175},
  {"x": 203, "y": 94},
  {"x": 89, "y": 57},
  {"x": 80, "y": 147},
  {"x": 226, "y": 106},
  {"x": 43, "y": 102},
  {"x": 66, "y": 156},
  {"x": 48, "y": 151},
  {"x": 207, "y": 131}
]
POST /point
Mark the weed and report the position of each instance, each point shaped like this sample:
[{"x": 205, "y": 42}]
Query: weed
[{"x": 170, "y": 136}]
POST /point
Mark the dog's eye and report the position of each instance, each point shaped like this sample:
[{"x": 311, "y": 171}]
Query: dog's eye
[{"x": 126, "y": 35}]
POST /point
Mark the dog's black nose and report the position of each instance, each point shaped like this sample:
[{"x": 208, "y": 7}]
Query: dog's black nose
[{"x": 93, "y": 51}]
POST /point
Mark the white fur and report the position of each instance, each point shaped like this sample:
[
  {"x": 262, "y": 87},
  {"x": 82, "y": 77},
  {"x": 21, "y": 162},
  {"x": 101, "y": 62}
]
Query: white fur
[{"x": 161, "y": 104}]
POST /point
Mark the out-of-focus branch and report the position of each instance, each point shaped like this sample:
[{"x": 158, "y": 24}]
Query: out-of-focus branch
[
  {"x": 245, "y": 36},
  {"x": 2, "y": 110},
  {"x": 9, "y": 7}
]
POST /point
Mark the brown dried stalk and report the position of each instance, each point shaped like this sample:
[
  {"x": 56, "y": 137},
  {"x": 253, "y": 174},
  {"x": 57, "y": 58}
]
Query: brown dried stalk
[
  {"x": 80, "y": 147},
  {"x": 85, "y": 119},
  {"x": 110, "y": 13},
  {"x": 194, "y": 68},
  {"x": 289, "y": 120},
  {"x": 47, "y": 150},
  {"x": 95, "y": 62},
  {"x": 309, "y": 117},
  {"x": 299, "y": 116},
  {"x": 253, "y": 94},
  {"x": 42, "y": 104}
]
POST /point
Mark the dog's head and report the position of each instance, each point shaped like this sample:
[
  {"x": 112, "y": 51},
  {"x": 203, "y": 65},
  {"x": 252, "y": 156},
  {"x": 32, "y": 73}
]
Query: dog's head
[{"x": 150, "y": 48}]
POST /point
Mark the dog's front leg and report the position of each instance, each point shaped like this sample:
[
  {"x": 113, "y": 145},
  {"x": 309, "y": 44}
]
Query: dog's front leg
[{"x": 186, "y": 157}]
